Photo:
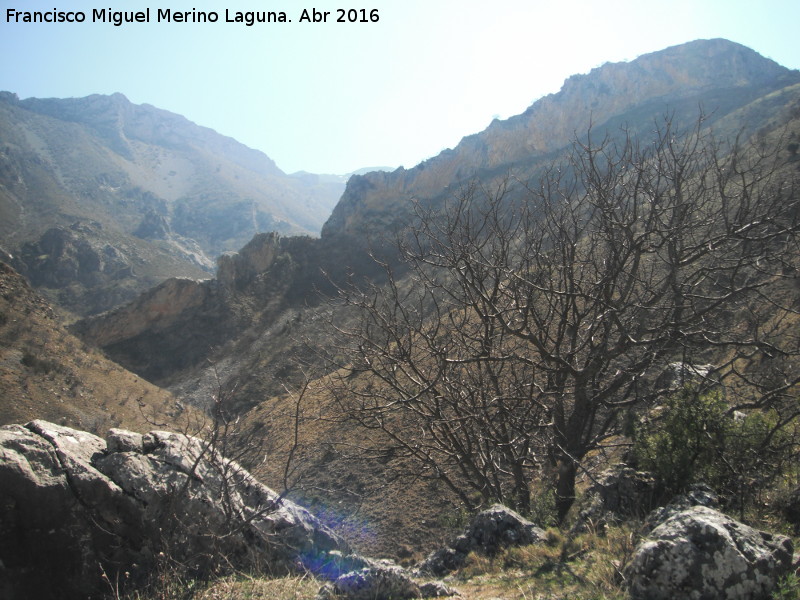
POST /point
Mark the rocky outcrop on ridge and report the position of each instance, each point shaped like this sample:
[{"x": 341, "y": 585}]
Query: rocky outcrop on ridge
[
  {"x": 182, "y": 318},
  {"x": 181, "y": 322},
  {"x": 82, "y": 509},
  {"x": 237, "y": 269}
]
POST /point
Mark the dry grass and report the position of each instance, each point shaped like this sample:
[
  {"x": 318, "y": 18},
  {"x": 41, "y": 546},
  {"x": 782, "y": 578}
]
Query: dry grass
[
  {"x": 586, "y": 567},
  {"x": 246, "y": 588},
  {"x": 583, "y": 567}
]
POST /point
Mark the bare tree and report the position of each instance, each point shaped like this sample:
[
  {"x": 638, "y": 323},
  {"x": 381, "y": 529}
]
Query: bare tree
[{"x": 535, "y": 316}]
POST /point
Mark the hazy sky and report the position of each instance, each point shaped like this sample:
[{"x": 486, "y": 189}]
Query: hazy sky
[{"x": 334, "y": 97}]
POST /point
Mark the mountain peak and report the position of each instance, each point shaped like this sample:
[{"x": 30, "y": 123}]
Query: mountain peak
[{"x": 687, "y": 68}]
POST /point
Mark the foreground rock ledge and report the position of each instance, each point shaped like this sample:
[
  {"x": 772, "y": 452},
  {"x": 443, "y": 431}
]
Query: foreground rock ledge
[{"x": 79, "y": 509}]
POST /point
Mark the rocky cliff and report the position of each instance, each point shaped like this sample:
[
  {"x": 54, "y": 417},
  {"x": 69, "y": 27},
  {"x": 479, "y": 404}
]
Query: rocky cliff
[
  {"x": 716, "y": 76},
  {"x": 181, "y": 323}
]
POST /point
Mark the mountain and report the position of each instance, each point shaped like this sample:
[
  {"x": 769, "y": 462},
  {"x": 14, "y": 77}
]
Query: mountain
[
  {"x": 101, "y": 199},
  {"x": 716, "y": 76},
  {"x": 252, "y": 319}
]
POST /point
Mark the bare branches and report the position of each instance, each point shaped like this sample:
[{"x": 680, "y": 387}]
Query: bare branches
[{"x": 536, "y": 314}]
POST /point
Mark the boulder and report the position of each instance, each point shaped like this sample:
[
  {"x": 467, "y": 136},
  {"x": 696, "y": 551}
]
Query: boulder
[
  {"x": 698, "y": 494},
  {"x": 624, "y": 491},
  {"x": 83, "y": 509},
  {"x": 491, "y": 530},
  {"x": 382, "y": 583},
  {"x": 701, "y": 553},
  {"x": 675, "y": 375},
  {"x": 355, "y": 577},
  {"x": 617, "y": 494},
  {"x": 372, "y": 583}
]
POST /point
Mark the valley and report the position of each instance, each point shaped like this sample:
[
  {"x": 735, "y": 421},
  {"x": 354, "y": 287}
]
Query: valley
[{"x": 491, "y": 325}]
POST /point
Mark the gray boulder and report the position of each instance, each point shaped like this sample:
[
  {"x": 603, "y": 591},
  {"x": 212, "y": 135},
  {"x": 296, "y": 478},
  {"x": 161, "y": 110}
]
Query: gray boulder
[
  {"x": 491, "y": 530},
  {"x": 359, "y": 578},
  {"x": 699, "y": 553},
  {"x": 698, "y": 494},
  {"x": 372, "y": 583},
  {"x": 617, "y": 494},
  {"x": 80, "y": 509},
  {"x": 382, "y": 583}
]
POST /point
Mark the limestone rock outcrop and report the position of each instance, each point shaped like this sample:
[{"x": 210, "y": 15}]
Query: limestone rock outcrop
[
  {"x": 701, "y": 553},
  {"x": 370, "y": 583},
  {"x": 170, "y": 327},
  {"x": 240, "y": 268},
  {"x": 78, "y": 508}
]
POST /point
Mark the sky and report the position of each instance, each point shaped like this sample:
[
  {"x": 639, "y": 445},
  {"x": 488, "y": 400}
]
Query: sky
[{"x": 331, "y": 97}]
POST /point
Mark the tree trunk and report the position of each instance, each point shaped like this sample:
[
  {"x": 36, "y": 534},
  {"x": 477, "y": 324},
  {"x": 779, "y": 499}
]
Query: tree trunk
[
  {"x": 522, "y": 493},
  {"x": 565, "y": 488}
]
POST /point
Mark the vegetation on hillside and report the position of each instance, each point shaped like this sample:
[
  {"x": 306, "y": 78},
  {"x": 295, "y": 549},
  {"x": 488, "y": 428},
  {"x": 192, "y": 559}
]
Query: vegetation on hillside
[{"x": 536, "y": 321}]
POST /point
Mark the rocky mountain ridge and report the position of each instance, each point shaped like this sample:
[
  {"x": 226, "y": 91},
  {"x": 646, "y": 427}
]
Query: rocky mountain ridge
[{"x": 716, "y": 76}]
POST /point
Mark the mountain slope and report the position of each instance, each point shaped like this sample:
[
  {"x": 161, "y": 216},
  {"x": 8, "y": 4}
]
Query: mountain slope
[
  {"x": 166, "y": 195},
  {"x": 47, "y": 373},
  {"x": 275, "y": 322}
]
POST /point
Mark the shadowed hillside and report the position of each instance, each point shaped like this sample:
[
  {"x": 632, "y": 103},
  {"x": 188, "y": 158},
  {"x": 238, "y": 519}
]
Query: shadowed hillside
[{"x": 47, "y": 373}]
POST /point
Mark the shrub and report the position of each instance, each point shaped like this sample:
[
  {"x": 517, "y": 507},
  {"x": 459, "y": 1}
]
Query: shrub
[
  {"x": 38, "y": 365},
  {"x": 697, "y": 439}
]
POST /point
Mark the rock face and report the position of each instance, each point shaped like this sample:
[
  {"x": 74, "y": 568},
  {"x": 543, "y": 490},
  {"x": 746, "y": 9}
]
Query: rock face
[
  {"x": 491, "y": 530},
  {"x": 75, "y": 506},
  {"x": 701, "y": 553},
  {"x": 170, "y": 327},
  {"x": 240, "y": 268},
  {"x": 178, "y": 324},
  {"x": 64, "y": 255}
]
